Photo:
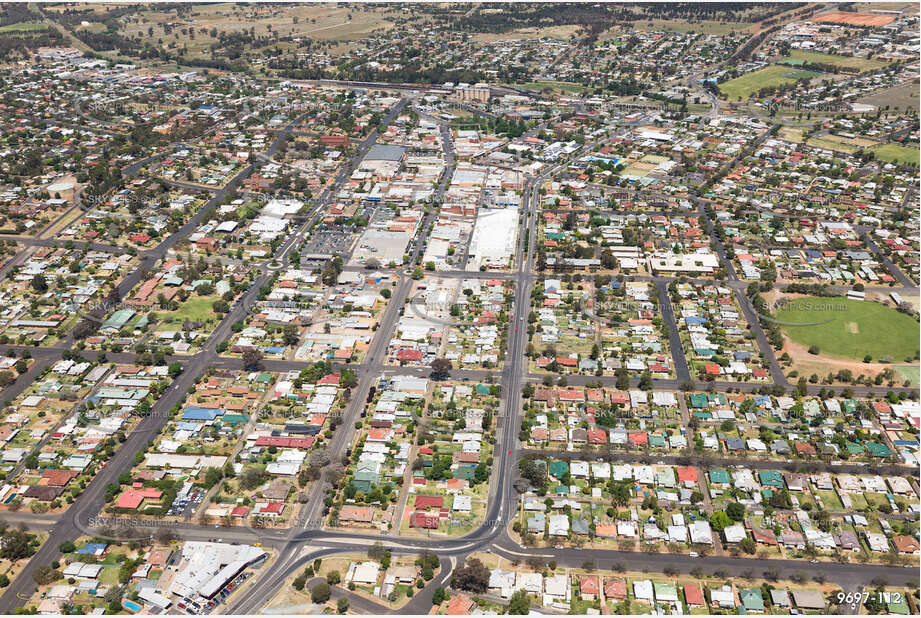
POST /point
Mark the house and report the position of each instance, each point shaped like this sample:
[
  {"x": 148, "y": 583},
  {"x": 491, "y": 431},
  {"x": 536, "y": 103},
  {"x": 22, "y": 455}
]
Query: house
[
  {"x": 557, "y": 592},
  {"x": 355, "y": 514},
  {"x": 460, "y": 605},
  {"x": 43, "y": 494},
  {"x": 615, "y": 589},
  {"x": 722, "y": 597},
  {"x": 792, "y": 539},
  {"x": 536, "y": 523},
  {"x": 907, "y": 545},
  {"x": 92, "y": 549},
  {"x": 752, "y": 600},
  {"x": 877, "y": 541},
  {"x": 273, "y": 509},
  {"x": 424, "y": 520},
  {"x": 847, "y": 540},
  {"x": 693, "y": 596},
  {"x": 809, "y": 599},
  {"x": 57, "y": 478},
  {"x": 365, "y": 573},
  {"x": 665, "y": 593},
  {"x": 133, "y": 498},
  {"x": 780, "y": 598},
  {"x": 588, "y": 587},
  {"x": 761, "y": 535},
  {"x": 429, "y": 502},
  {"x": 734, "y": 533},
  {"x": 559, "y": 525},
  {"x": 701, "y": 533},
  {"x": 503, "y": 582},
  {"x": 532, "y": 583},
  {"x": 642, "y": 590}
]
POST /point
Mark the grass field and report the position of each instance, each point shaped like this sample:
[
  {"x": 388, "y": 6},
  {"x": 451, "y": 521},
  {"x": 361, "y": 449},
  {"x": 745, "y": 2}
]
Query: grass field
[
  {"x": 564, "y": 87},
  {"x": 846, "y": 328},
  {"x": 896, "y": 154},
  {"x": 195, "y": 309},
  {"x": 26, "y": 26},
  {"x": 791, "y": 134},
  {"x": 839, "y": 144},
  {"x": 743, "y": 87},
  {"x": 845, "y": 62},
  {"x": 908, "y": 372}
]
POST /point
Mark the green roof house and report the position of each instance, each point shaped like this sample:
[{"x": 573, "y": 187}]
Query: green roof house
[
  {"x": 559, "y": 469},
  {"x": 752, "y": 600}
]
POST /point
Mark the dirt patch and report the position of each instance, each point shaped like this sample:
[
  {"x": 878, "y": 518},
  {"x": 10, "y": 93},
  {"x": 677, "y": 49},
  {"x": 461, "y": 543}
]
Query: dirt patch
[
  {"x": 807, "y": 363},
  {"x": 854, "y": 19}
]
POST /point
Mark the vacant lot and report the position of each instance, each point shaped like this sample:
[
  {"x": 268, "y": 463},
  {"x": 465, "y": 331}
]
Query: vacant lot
[
  {"x": 896, "y": 154},
  {"x": 563, "y": 32},
  {"x": 902, "y": 97},
  {"x": 839, "y": 143},
  {"x": 702, "y": 27},
  {"x": 854, "y": 19},
  {"x": 845, "y": 62},
  {"x": 846, "y": 328},
  {"x": 562, "y": 87},
  {"x": 743, "y": 87}
]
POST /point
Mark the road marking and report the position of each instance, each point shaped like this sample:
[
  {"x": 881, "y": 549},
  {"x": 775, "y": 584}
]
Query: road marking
[{"x": 516, "y": 553}]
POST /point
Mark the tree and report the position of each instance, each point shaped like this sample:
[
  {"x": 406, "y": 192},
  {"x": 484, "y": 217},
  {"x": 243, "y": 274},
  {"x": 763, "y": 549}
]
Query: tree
[
  {"x": 333, "y": 578},
  {"x": 439, "y": 596},
  {"x": 620, "y": 494},
  {"x": 735, "y": 511},
  {"x": 342, "y": 605},
  {"x": 252, "y": 358},
  {"x": 378, "y": 552},
  {"x": 251, "y": 478},
  {"x": 45, "y": 575},
  {"x": 15, "y": 544},
  {"x": 39, "y": 284},
  {"x": 67, "y": 547},
  {"x": 6, "y": 378},
  {"x": 519, "y": 604},
  {"x": 474, "y": 577},
  {"x": 720, "y": 520},
  {"x": 441, "y": 367},
  {"x": 289, "y": 334},
  {"x": 174, "y": 369},
  {"x": 213, "y": 476},
  {"x": 320, "y": 593}
]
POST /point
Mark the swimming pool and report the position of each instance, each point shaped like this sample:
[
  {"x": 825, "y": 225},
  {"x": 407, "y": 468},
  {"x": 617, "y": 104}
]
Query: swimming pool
[{"x": 131, "y": 606}]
